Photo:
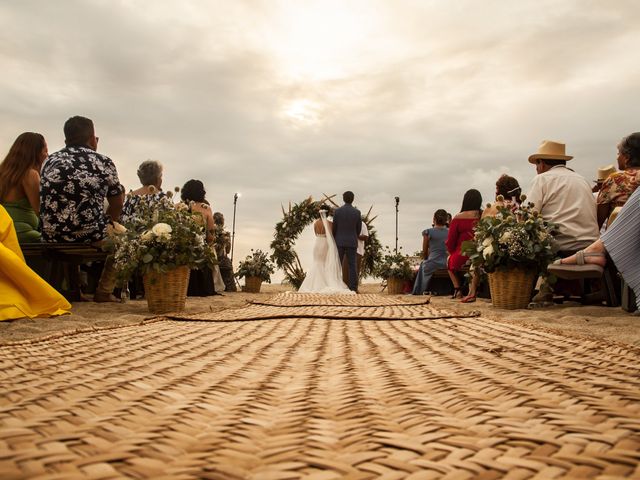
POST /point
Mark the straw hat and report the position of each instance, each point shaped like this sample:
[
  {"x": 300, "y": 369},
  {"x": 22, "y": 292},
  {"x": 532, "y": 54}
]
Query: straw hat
[
  {"x": 551, "y": 151},
  {"x": 604, "y": 172}
]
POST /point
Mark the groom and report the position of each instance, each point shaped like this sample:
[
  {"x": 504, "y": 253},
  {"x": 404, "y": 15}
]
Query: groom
[{"x": 347, "y": 223}]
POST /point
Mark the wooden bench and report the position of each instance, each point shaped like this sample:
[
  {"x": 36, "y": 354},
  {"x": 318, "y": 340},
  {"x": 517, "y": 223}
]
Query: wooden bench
[
  {"x": 58, "y": 263},
  {"x": 440, "y": 280}
]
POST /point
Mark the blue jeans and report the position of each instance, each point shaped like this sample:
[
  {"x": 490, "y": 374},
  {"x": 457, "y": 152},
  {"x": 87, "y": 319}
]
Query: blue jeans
[{"x": 350, "y": 252}]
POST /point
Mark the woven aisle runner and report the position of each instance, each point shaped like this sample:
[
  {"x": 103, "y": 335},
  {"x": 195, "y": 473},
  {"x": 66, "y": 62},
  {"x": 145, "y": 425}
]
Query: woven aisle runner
[
  {"x": 361, "y": 307},
  {"x": 311, "y": 398}
]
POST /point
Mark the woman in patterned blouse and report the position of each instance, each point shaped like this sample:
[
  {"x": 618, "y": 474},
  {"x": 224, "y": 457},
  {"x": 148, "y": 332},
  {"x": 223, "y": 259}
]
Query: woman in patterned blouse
[
  {"x": 618, "y": 187},
  {"x": 150, "y": 175}
]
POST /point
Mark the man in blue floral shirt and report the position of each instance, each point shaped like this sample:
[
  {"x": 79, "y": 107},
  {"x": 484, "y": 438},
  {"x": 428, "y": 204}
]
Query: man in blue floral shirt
[{"x": 75, "y": 182}]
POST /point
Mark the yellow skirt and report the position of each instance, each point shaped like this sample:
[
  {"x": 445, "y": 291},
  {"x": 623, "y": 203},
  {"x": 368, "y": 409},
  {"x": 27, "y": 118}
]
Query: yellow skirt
[{"x": 23, "y": 293}]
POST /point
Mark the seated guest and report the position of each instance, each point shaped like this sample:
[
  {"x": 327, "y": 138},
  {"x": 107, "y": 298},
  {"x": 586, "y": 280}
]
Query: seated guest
[
  {"x": 201, "y": 282},
  {"x": 564, "y": 198},
  {"x": 22, "y": 291},
  {"x": 434, "y": 252},
  {"x": 621, "y": 242},
  {"x": 150, "y": 175},
  {"x": 75, "y": 183},
  {"x": 20, "y": 184},
  {"x": 223, "y": 247},
  {"x": 507, "y": 195},
  {"x": 461, "y": 229},
  {"x": 618, "y": 186},
  {"x": 603, "y": 174}
]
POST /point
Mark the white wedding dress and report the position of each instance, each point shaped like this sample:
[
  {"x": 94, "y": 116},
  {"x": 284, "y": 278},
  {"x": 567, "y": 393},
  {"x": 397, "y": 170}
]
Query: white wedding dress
[{"x": 325, "y": 275}]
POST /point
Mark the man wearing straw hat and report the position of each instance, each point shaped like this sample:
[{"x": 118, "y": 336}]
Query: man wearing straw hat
[
  {"x": 603, "y": 174},
  {"x": 563, "y": 197}
]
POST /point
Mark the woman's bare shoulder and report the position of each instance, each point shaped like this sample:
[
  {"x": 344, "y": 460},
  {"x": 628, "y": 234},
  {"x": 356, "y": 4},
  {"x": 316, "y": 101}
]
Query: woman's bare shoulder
[
  {"x": 318, "y": 227},
  {"x": 467, "y": 214}
]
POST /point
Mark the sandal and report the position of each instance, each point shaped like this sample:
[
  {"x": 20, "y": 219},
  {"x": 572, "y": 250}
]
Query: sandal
[
  {"x": 456, "y": 293},
  {"x": 468, "y": 299},
  {"x": 580, "y": 269}
]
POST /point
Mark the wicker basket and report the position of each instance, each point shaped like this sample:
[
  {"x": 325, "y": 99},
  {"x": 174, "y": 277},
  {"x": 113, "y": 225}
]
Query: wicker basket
[
  {"x": 166, "y": 291},
  {"x": 511, "y": 289},
  {"x": 252, "y": 284},
  {"x": 395, "y": 285}
]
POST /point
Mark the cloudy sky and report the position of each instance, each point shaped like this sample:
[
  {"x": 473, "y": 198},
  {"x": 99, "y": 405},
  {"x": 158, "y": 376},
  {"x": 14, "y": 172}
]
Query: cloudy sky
[{"x": 280, "y": 100}]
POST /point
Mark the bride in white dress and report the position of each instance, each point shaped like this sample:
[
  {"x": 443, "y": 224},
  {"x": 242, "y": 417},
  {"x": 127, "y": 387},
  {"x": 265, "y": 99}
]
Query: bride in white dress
[{"x": 325, "y": 275}]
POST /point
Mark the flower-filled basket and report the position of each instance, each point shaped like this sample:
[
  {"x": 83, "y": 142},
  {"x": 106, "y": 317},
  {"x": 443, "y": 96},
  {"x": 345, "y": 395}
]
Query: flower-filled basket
[
  {"x": 256, "y": 268},
  {"x": 395, "y": 268},
  {"x": 513, "y": 248},
  {"x": 162, "y": 242}
]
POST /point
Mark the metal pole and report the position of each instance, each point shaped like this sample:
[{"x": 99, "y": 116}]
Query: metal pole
[
  {"x": 397, "y": 202},
  {"x": 233, "y": 227}
]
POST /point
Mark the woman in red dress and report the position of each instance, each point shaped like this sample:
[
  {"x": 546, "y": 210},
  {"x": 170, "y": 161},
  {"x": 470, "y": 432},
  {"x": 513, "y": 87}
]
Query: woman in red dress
[{"x": 461, "y": 229}]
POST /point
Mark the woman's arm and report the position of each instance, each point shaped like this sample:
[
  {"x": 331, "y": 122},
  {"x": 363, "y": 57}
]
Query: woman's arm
[
  {"x": 210, "y": 224},
  {"x": 452, "y": 238},
  {"x": 604, "y": 210},
  {"x": 31, "y": 186},
  {"x": 207, "y": 215},
  {"x": 605, "y": 199},
  {"x": 425, "y": 246}
]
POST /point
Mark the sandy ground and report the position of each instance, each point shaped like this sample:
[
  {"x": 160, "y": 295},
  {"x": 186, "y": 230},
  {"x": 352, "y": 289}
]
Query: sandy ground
[{"x": 611, "y": 324}]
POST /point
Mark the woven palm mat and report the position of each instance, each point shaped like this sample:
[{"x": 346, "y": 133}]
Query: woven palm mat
[
  {"x": 361, "y": 307},
  {"x": 310, "y": 398},
  {"x": 362, "y": 300}
]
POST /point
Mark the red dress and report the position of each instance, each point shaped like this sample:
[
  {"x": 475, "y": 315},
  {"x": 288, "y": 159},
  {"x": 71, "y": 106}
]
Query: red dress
[{"x": 461, "y": 229}]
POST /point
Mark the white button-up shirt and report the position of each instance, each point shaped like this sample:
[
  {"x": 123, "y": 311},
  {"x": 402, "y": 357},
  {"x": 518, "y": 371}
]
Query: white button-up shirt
[{"x": 564, "y": 197}]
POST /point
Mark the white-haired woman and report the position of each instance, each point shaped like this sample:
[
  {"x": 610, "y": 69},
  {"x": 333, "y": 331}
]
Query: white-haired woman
[{"x": 150, "y": 175}]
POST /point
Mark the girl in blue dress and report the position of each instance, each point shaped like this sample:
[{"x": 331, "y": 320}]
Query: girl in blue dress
[{"x": 434, "y": 252}]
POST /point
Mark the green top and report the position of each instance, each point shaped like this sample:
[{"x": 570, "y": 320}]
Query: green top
[{"x": 25, "y": 220}]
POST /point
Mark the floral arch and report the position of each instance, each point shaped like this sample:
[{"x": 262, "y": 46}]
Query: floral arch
[{"x": 295, "y": 220}]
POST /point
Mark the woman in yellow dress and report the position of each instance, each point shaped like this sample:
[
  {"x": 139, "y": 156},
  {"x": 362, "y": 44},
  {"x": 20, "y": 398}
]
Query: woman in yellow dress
[{"x": 22, "y": 292}]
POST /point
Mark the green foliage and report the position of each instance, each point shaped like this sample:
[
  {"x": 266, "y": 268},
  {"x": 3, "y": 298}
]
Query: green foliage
[
  {"x": 287, "y": 231},
  {"x": 517, "y": 237},
  {"x": 372, "y": 249},
  {"x": 161, "y": 237},
  {"x": 395, "y": 265},
  {"x": 257, "y": 264}
]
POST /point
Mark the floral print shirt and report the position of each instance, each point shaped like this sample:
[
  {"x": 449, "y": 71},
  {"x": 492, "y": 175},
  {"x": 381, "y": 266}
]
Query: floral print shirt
[
  {"x": 74, "y": 184},
  {"x": 618, "y": 187},
  {"x": 129, "y": 210}
]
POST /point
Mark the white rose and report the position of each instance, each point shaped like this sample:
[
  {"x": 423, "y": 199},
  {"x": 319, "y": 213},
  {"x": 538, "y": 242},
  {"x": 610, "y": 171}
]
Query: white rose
[
  {"x": 147, "y": 236},
  {"x": 487, "y": 242},
  {"x": 161, "y": 229},
  {"x": 506, "y": 236},
  {"x": 119, "y": 228},
  {"x": 488, "y": 251}
]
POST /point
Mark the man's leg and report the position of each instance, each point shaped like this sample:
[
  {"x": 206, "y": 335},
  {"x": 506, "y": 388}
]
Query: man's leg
[
  {"x": 345, "y": 271},
  {"x": 353, "y": 272},
  {"x": 107, "y": 283},
  {"x": 343, "y": 256}
]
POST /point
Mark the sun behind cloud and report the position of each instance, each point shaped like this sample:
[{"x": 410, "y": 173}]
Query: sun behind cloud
[{"x": 303, "y": 113}]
